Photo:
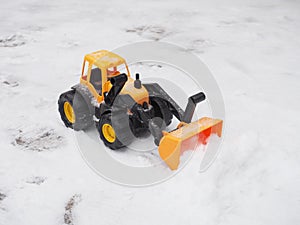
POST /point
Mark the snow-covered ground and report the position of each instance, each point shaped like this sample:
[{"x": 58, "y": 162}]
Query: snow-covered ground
[{"x": 253, "y": 49}]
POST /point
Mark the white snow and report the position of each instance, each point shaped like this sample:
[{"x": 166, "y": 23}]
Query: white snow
[{"x": 253, "y": 49}]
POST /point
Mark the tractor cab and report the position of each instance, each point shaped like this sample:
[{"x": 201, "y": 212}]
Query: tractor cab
[{"x": 97, "y": 70}]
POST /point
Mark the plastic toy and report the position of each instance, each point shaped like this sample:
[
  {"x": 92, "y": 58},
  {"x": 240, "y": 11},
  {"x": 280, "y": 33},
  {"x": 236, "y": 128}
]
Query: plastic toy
[{"x": 123, "y": 108}]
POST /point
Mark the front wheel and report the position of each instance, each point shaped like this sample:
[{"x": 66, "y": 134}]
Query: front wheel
[
  {"x": 107, "y": 132},
  {"x": 161, "y": 110},
  {"x": 115, "y": 135}
]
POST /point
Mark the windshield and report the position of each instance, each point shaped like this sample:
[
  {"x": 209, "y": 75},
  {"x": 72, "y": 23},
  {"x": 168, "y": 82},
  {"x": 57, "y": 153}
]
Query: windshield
[{"x": 116, "y": 70}]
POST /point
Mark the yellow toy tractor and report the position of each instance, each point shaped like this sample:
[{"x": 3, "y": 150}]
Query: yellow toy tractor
[{"x": 123, "y": 108}]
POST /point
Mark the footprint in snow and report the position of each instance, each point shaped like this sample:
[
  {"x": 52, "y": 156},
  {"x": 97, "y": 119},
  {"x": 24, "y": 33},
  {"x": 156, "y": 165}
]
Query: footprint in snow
[
  {"x": 36, "y": 180},
  {"x": 11, "y": 84},
  {"x": 228, "y": 22},
  {"x": 12, "y": 40},
  {"x": 155, "y": 33},
  {"x": 68, "y": 44},
  {"x": 68, "y": 215},
  {"x": 199, "y": 45},
  {"x": 38, "y": 140},
  {"x": 2, "y": 197},
  {"x": 8, "y": 81}
]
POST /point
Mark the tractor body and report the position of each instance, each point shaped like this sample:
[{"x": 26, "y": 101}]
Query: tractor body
[{"x": 123, "y": 108}]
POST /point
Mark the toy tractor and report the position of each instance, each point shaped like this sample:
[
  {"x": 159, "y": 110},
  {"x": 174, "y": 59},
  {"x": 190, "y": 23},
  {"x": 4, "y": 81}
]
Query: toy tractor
[{"x": 123, "y": 108}]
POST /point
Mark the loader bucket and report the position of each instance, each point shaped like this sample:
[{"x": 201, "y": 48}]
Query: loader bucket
[{"x": 187, "y": 137}]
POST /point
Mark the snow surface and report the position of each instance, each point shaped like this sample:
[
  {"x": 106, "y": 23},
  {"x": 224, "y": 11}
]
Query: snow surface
[{"x": 252, "y": 47}]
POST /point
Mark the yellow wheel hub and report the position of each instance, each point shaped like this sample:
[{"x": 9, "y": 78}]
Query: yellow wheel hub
[
  {"x": 108, "y": 132},
  {"x": 69, "y": 112}
]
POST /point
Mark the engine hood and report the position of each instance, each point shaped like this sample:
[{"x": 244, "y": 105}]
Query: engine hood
[{"x": 139, "y": 95}]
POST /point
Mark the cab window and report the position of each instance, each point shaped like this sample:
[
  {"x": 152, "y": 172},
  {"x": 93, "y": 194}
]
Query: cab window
[
  {"x": 85, "y": 70},
  {"x": 96, "y": 79}
]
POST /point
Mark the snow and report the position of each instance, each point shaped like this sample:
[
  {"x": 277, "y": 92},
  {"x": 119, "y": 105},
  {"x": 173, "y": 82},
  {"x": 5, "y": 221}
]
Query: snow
[{"x": 252, "y": 48}]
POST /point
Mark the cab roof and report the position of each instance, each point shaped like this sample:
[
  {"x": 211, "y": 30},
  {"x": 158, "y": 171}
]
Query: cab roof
[{"x": 104, "y": 59}]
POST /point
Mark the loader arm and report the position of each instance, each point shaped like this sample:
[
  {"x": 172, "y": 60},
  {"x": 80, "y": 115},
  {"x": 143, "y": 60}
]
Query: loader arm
[{"x": 155, "y": 90}]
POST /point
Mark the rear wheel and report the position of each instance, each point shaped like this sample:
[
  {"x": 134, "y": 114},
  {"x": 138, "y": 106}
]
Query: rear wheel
[
  {"x": 74, "y": 111},
  {"x": 69, "y": 112}
]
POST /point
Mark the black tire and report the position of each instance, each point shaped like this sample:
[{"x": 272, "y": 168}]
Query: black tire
[
  {"x": 138, "y": 129},
  {"x": 83, "y": 117},
  {"x": 161, "y": 110},
  {"x": 123, "y": 135}
]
